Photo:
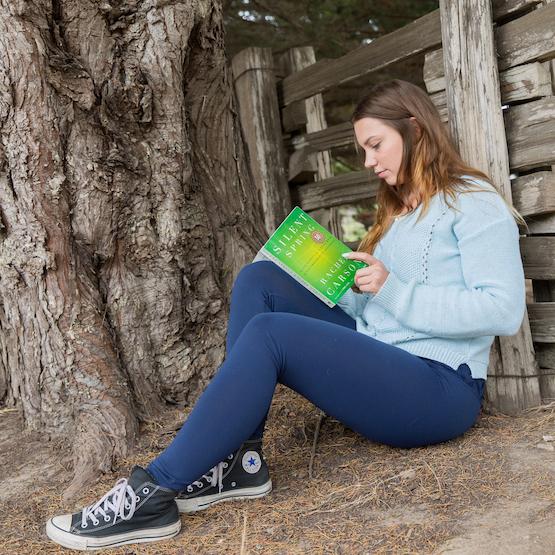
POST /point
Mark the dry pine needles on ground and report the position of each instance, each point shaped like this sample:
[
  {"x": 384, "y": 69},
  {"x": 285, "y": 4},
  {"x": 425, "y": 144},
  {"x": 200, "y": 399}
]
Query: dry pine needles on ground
[{"x": 361, "y": 497}]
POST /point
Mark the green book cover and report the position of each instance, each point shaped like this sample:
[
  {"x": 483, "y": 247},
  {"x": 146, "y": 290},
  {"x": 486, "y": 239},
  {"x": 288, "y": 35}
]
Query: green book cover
[{"x": 312, "y": 255}]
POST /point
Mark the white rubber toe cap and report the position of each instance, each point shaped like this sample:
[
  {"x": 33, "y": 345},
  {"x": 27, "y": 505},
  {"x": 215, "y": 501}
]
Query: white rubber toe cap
[{"x": 63, "y": 522}]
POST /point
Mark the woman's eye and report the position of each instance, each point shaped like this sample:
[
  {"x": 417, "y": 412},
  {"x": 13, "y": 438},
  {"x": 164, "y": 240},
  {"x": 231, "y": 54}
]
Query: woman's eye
[{"x": 376, "y": 146}]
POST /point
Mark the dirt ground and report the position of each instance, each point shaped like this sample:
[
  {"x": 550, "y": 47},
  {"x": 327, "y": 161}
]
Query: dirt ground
[{"x": 491, "y": 491}]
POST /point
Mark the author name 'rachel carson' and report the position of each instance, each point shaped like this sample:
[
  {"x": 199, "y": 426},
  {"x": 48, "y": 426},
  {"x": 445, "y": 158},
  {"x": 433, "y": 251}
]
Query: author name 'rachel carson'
[{"x": 338, "y": 274}]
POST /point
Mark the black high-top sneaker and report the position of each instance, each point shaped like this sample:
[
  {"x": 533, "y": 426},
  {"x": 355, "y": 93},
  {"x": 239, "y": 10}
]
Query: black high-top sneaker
[
  {"x": 134, "y": 511},
  {"x": 243, "y": 475}
]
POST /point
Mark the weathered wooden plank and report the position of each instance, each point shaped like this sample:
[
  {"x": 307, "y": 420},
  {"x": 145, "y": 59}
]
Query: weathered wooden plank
[
  {"x": 540, "y": 224},
  {"x": 341, "y": 134},
  {"x": 293, "y": 117},
  {"x": 440, "y": 101},
  {"x": 546, "y": 355},
  {"x": 531, "y": 133},
  {"x": 335, "y": 191},
  {"x": 547, "y": 385},
  {"x": 542, "y": 321},
  {"x": 543, "y": 290},
  {"x": 302, "y": 167},
  {"x": 526, "y": 82},
  {"x": 254, "y": 81},
  {"x": 538, "y": 257},
  {"x": 527, "y": 39},
  {"x": 505, "y": 8},
  {"x": 534, "y": 193},
  {"x": 476, "y": 123},
  {"x": 415, "y": 38},
  {"x": 433, "y": 74}
]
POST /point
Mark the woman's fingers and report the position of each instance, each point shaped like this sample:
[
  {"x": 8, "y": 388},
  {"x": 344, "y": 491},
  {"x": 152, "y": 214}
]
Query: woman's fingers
[
  {"x": 370, "y": 278},
  {"x": 363, "y": 273},
  {"x": 362, "y": 256}
]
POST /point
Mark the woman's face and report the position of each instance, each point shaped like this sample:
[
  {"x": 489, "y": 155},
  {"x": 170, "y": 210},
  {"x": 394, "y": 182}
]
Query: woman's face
[{"x": 383, "y": 148}]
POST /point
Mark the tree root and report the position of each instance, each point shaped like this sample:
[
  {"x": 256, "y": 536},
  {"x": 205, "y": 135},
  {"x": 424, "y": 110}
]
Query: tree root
[{"x": 103, "y": 436}]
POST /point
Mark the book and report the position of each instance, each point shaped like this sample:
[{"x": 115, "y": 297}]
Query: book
[{"x": 310, "y": 254}]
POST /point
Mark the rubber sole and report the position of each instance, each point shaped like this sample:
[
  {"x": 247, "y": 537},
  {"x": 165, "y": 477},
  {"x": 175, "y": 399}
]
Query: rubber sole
[
  {"x": 200, "y": 503},
  {"x": 80, "y": 543}
]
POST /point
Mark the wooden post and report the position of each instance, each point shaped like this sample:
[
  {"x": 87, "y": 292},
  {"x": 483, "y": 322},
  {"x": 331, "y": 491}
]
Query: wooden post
[
  {"x": 255, "y": 87},
  {"x": 476, "y": 123},
  {"x": 311, "y": 113},
  {"x": 312, "y": 108}
]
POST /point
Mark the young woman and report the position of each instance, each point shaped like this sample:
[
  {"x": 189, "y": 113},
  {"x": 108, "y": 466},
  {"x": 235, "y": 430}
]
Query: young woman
[{"x": 401, "y": 359}]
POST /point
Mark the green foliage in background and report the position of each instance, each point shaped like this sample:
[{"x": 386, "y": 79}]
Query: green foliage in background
[{"x": 332, "y": 27}]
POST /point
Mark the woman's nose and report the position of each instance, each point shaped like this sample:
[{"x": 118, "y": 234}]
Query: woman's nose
[{"x": 369, "y": 161}]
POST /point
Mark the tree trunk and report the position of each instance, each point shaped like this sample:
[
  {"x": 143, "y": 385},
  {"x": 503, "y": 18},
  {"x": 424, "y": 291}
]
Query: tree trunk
[{"x": 126, "y": 212}]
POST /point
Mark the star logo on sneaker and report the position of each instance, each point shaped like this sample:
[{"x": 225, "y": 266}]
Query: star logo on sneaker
[{"x": 251, "y": 462}]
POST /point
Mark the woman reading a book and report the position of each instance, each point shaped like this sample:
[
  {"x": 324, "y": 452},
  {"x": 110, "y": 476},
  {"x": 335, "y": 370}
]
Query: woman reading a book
[{"x": 402, "y": 358}]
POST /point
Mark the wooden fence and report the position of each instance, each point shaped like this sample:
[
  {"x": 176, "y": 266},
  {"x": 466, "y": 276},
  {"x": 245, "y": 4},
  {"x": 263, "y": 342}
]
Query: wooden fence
[{"x": 490, "y": 70}]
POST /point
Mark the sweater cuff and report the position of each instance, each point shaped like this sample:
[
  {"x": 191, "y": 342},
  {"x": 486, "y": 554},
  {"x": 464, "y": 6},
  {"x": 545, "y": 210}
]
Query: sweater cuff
[{"x": 389, "y": 294}]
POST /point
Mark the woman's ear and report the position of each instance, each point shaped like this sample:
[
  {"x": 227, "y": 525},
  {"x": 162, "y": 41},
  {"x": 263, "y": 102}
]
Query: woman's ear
[{"x": 417, "y": 128}]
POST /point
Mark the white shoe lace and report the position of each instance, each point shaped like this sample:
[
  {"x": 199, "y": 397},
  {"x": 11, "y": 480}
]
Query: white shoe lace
[
  {"x": 214, "y": 476},
  {"x": 115, "y": 500}
]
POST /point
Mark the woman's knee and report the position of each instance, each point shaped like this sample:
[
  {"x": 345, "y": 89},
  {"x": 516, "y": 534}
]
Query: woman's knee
[
  {"x": 262, "y": 331},
  {"x": 267, "y": 328},
  {"x": 262, "y": 322}
]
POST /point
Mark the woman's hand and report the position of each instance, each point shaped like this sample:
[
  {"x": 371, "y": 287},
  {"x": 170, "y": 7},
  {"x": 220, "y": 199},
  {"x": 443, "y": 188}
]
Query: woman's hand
[{"x": 371, "y": 278}]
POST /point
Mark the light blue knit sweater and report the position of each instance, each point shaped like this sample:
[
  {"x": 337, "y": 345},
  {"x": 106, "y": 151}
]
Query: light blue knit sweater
[{"x": 456, "y": 281}]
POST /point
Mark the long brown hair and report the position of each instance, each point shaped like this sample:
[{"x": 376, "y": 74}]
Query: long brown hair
[{"x": 430, "y": 164}]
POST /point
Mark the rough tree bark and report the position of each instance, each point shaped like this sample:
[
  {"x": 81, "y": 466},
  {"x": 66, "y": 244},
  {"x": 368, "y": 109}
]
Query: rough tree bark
[{"x": 126, "y": 211}]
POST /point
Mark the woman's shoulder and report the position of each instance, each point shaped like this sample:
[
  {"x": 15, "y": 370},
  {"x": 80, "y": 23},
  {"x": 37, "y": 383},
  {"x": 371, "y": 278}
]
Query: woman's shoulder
[
  {"x": 471, "y": 183},
  {"x": 479, "y": 199}
]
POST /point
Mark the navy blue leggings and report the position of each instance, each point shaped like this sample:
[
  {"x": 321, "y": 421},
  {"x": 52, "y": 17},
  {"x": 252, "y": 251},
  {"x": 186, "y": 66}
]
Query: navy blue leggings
[{"x": 280, "y": 332}]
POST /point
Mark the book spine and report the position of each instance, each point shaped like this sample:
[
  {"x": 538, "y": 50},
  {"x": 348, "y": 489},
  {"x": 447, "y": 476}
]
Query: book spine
[{"x": 298, "y": 278}]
